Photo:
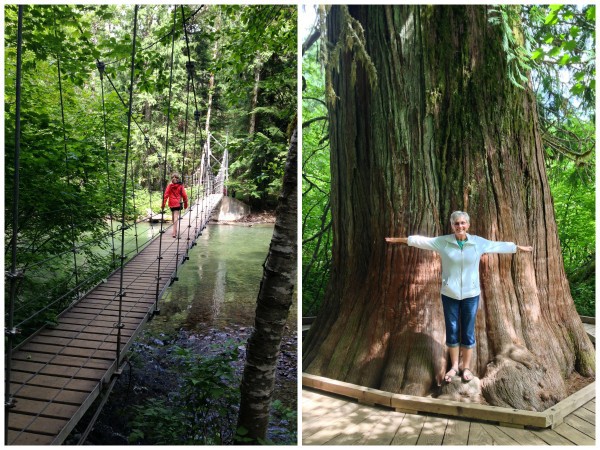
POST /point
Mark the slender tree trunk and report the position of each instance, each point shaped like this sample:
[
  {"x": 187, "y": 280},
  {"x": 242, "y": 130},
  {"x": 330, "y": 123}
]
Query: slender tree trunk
[
  {"x": 254, "y": 103},
  {"x": 273, "y": 304},
  {"x": 440, "y": 129},
  {"x": 211, "y": 87}
]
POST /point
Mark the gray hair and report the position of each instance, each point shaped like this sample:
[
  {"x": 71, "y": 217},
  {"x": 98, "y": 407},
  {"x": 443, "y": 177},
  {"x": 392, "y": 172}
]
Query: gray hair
[{"x": 456, "y": 214}]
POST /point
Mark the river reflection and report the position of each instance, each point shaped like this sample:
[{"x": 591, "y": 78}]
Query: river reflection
[{"x": 218, "y": 286}]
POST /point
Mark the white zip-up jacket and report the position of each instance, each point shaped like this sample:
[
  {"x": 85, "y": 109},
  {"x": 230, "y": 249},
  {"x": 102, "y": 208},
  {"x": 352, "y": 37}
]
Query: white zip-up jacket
[{"x": 460, "y": 268}]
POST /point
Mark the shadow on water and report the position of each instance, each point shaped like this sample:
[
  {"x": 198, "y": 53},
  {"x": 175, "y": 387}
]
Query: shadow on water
[{"x": 209, "y": 308}]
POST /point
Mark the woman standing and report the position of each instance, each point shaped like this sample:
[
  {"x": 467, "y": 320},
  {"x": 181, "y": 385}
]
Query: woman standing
[
  {"x": 460, "y": 253},
  {"x": 177, "y": 197}
]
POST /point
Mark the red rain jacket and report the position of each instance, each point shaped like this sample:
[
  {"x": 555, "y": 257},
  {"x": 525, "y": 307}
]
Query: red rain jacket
[{"x": 174, "y": 193}]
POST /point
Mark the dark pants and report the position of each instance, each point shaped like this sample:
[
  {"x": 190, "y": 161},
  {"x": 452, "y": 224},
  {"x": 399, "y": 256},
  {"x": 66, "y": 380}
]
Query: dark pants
[{"x": 459, "y": 316}]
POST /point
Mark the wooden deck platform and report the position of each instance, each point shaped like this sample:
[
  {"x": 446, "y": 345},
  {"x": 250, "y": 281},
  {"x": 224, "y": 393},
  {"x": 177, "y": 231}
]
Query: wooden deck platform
[
  {"x": 328, "y": 419},
  {"x": 57, "y": 373}
]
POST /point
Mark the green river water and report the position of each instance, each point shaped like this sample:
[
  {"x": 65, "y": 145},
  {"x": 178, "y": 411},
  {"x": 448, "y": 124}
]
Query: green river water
[{"x": 218, "y": 286}]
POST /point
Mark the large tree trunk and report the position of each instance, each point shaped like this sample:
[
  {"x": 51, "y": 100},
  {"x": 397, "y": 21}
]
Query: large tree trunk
[
  {"x": 442, "y": 129},
  {"x": 273, "y": 305}
]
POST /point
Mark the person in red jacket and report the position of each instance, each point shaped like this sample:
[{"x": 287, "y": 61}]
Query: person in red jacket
[{"x": 176, "y": 196}]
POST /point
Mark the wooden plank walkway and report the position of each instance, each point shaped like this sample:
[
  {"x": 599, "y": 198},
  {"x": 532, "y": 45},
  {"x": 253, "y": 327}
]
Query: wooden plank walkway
[
  {"x": 332, "y": 420},
  {"x": 58, "y": 372}
]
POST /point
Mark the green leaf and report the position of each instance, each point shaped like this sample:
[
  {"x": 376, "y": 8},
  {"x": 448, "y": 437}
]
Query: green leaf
[
  {"x": 590, "y": 14},
  {"x": 577, "y": 89},
  {"x": 537, "y": 54},
  {"x": 554, "y": 51},
  {"x": 570, "y": 45},
  {"x": 551, "y": 19},
  {"x": 564, "y": 59}
]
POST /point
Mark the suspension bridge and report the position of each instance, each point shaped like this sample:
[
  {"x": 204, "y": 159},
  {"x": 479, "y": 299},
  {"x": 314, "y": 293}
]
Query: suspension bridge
[{"x": 56, "y": 373}]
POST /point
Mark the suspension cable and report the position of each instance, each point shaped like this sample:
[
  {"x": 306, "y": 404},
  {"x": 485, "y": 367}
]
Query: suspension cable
[
  {"x": 119, "y": 325},
  {"x": 14, "y": 275},
  {"x": 190, "y": 70},
  {"x": 101, "y": 68},
  {"x": 191, "y": 73},
  {"x": 149, "y": 174},
  {"x": 197, "y": 187},
  {"x": 197, "y": 118},
  {"x": 162, "y": 211},
  {"x": 123, "y": 101},
  {"x": 62, "y": 112},
  {"x": 135, "y": 222}
]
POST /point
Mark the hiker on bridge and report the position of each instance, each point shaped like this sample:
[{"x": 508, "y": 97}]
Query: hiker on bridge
[
  {"x": 177, "y": 197},
  {"x": 460, "y": 291}
]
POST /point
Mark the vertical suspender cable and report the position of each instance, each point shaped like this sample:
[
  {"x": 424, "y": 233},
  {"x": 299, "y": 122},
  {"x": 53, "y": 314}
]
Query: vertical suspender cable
[
  {"x": 14, "y": 274},
  {"x": 190, "y": 68},
  {"x": 62, "y": 113},
  {"x": 158, "y": 283},
  {"x": 119, "y": 324},
  {"x": 100, "y": 65},
  {"x": 137, "y": 246},
  {"x": 194, "y": 165},
  {"x": 149, "y": 180}
]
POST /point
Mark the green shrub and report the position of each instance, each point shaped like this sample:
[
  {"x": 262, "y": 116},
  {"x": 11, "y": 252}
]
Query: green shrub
[{"x": 203, "y": 412}]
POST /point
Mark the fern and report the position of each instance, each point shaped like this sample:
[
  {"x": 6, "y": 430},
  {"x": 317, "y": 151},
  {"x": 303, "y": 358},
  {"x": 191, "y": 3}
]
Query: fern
[{"x": 515, "y": 44}]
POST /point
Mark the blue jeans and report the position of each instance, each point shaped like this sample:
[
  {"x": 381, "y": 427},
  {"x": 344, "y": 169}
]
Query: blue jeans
[{"x": 459, "y": 316}]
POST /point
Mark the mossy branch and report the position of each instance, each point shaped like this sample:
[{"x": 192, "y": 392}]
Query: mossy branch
[{"x": 351, "y": 39}]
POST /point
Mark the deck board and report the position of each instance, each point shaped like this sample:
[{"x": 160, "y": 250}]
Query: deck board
[
  {"x": 57, "y": 373},
  {"x": 433, "y": 431},
  {"x": 409, "y": 430},
  {"x": 582, "y": 425},
  {"x": 384, "y": 431},
  {"x": 498, "y": 436},
  {"x": 457, "y": 432},
  {"x": 330, "y": 419},
  {"x": 574, "y": 435}
]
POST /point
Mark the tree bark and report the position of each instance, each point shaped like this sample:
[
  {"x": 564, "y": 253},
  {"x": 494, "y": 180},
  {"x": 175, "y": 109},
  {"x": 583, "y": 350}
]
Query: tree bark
[
  {"x": 254, "y": 102},
  {"x": 442, "y": 129},
  {"x": 273, "y": 304}
]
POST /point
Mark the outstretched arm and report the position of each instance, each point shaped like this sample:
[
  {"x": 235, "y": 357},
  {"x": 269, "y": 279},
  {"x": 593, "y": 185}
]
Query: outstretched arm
[
  {"x": 398, "y": 240},
  {"x": 525, "y": 248}
]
